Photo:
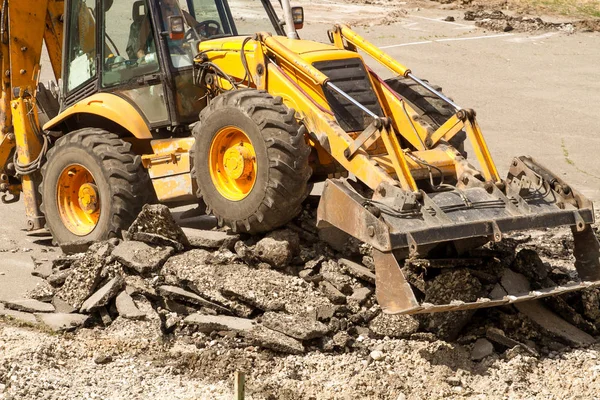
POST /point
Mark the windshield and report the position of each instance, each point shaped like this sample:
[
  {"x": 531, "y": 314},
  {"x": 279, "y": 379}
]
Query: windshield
[{"x": 210, "y": 19}]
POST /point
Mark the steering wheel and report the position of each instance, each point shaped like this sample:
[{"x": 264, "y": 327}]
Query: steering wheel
[{"x": 202, "y": 29}]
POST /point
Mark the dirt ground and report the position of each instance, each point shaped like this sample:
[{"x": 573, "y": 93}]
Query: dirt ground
[
  {"x": 138, "y": 360},
  {"x": 37, "y": 365}
]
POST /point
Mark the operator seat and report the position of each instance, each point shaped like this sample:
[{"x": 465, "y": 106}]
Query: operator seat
[{"x": 140, "y": 31}]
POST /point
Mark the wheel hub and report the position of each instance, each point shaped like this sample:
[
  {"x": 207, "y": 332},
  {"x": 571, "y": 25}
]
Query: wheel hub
[
  {"x": 78, "y": 199},
  {"x": 88, "y": 198},
  {"x": 238, "y": 162},
  {"x": 232, "y": 163}
]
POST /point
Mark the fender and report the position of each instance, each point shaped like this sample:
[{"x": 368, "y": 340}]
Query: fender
[{"x": 109, "y": 106}]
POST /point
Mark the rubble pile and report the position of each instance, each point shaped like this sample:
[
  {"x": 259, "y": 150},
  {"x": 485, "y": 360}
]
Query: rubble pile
[{"x": 297, "y": 290}]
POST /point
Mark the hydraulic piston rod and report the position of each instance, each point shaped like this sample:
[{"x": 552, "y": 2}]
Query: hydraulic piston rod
[
  {"x": 352, "y": 100},
  {"x": 432, "y": 90}
]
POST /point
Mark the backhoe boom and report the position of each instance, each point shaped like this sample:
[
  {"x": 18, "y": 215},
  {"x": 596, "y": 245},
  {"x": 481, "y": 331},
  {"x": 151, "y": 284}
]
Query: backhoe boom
[{"x": 24, "y": 25}]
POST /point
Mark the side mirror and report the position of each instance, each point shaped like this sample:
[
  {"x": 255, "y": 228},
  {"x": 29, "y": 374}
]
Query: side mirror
[
  {"x": 176, "y": 27},
  {"x": 298, "y": 17}
]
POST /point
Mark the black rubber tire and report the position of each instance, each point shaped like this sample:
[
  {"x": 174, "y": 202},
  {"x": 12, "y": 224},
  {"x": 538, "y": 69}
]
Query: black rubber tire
[
  {"x": 279, "y": 143},
  {"x": 432, "y": 110},
  {"x": 123, "y": 183}
]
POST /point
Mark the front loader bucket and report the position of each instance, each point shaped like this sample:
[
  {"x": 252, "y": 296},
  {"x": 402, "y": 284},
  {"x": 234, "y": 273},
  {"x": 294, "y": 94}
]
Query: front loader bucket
[{"x": 531, "y": 197}]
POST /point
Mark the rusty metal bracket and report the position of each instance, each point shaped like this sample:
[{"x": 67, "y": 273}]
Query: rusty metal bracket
[
  {"x": 373, "y": 132},
  {"x": 587, "y": 253},
  {"x": 394, "y": 294},
  {"x": 343, "y": 208}
]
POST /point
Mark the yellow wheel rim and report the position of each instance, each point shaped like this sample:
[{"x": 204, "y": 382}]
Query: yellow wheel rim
[
  {"x": 78, "y": 199},
  {"x": 232, "y": 163}
]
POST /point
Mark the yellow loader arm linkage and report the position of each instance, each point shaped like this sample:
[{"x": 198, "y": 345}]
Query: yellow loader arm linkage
[
  {"x": 393, "y": 154},
  {"x": 24, "y": 25}
]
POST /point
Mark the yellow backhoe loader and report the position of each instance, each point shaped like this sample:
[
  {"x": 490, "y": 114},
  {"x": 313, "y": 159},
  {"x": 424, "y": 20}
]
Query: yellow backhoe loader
[{"x": 188, "y": 101}]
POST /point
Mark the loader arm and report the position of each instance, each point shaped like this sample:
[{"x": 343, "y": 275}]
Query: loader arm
[
  {"x": 24, "y": 26},
  {"x": 406, "y": 214}
]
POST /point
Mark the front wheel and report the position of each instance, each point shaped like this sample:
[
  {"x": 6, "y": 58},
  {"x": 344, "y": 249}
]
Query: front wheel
[
  {"x": 250, "y": 161},
  {"x": 92, "y": 187}
]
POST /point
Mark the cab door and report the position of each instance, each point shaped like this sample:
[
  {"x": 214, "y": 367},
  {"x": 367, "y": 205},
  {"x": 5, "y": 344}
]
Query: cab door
[
  {"x": 130, "y": 60},
  {"x": 80, "y": 66}
]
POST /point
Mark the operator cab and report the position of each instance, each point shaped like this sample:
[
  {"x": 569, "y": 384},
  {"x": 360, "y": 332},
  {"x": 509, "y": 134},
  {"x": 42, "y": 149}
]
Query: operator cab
[{"x": 125, "y": 47}]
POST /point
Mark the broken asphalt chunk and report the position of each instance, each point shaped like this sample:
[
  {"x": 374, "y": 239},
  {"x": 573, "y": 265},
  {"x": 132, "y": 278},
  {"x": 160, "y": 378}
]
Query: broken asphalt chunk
[
  {"x": 141, "y": 257},
  {"x": 358, "y": 271},
  {"x": 332, "y": 293},
  {"x": 58, "y": 278},
  {"x": 273, "y": 340},
  {"x": 20, "y": 316},
  {"x": 454, "y": 284},
  {"x": 62, "y": 306},
  {"x": 43, "y": 269},
  {"x": 270, "y": 290},
  {"x": 29, "y": 305},
  {"x": 62, "y": 322},
  {"x": 299, "y": 327},
  {"x": 126, "y": 307},
  {"x": 250, "y": 330},
  {"x": 101, "y": 297},
  {"x": 85, "y": 274},
  {"x": 360, "y": 295},
  {"x": 210, "y": 239},
  {"x": 210, "y": 323},
  {"x": 177, "y": 293},
  {"x": 157, "y": 219},
  {"x": 497, "y": 335},
  {"x": 156, "y": 240},
  {"x": 77, "y": 246},
  {"x": 42, "y": 291}
]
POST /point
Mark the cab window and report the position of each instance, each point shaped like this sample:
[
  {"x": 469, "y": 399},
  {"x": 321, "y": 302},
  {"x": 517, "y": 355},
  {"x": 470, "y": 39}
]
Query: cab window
[
  {"x": 81, "y": 48},
  {"x": 211, "y": 19},
  {"x": 129, "y": 50}
]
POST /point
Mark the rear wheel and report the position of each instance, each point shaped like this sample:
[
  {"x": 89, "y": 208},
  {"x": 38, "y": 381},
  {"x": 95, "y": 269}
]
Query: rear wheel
[
  {"x": 250, "y": 161},
  {"x": 92, "y": 187},
  {"x": 433, "y": 111}
]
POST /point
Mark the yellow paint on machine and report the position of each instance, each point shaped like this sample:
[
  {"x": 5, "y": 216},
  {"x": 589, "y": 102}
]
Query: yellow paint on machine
[
  {"x": 108, "y": 106},
  {"x": 174, "y": 188},
  {"x": 169, "y": 168}
]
